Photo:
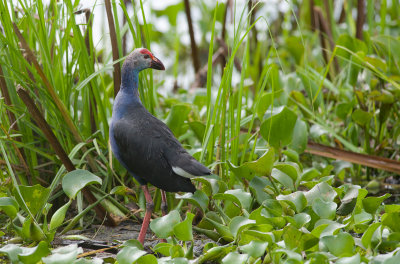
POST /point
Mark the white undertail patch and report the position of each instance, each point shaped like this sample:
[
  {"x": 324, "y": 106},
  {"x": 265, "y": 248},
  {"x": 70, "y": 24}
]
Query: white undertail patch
[{"x": 182, "y": 172}]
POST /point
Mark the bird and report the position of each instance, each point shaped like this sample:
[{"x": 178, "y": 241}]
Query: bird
[{"x": 144, "y": 145}]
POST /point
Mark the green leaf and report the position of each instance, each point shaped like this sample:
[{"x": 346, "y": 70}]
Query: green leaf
[
  {"x": 163, "y": 227},
  {"x": 76, "y": 180},
  {"x": 283, "y": 178},
  {"x": 58, "y": 217},
  {"x": 34, "y": 197},
  {"x": 239, "y": 223},
  {"x": 300, "y": 136},
  {"x": 235, "y": 257},
  {"x": 371, "y": 204},
  {"x": 278, "y": 127},
  {"x": 322, "y": 190},
  {"x": 147, "y": 259},
  {"x": 356, "y": 259},
  {"x": 9, "y": 206},
  {"x": 199, "y": 199},
  {"x": 257, "y": 185},
  {"x": 255, "y": 248},
  {"x": 295, "y": 239},
  {"x": 63, "y": 255},
  {"x": 177, "y": 117},
  {"x": 163, "y": 248},
  {"x": 324, "y": 209},
  {"x": 261, "y": 167},
  {"x": 341, "y": 245},
  {"x": 238, "y": 196},
  {"x": 129, "y": 255},
  {"x": 392, "y": 221},
  {"x": 35, "y": 254},
  {"x": 297, "y": 200},
  {"x": 361, "y": 117},
  {"x": 12, "y": 252},
  {"x": 367, "y": 236},
  {"x": 183, "y": 230}
]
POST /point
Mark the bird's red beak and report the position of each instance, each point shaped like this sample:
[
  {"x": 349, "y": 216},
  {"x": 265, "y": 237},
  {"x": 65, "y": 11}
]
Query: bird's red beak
[{"x": 157, "y": 64}]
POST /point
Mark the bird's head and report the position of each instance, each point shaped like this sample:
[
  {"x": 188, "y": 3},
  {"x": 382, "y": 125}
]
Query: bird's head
[{"x": 141, "y": 59}]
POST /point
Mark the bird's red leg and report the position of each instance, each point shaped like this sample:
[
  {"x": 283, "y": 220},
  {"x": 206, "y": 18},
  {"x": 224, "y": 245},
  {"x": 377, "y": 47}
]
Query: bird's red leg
[
  {"x": 147, "y": 216},
  {"x": 164, "y": 205}
]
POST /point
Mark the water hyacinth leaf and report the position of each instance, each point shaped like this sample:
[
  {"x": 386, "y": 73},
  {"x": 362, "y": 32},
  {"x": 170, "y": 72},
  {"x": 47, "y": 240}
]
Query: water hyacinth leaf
[
  {"x": 346, "y": 43},
  {"x": 63, "y": 255},
  {"x": 198, "y": 128},
  {"x": 309, "y": 174},
  {"x": 322, "y": 190},
  {"x": 325, "y": 227},
  {"x": 58, "y": 217},
  {"x": 183, "y": 230},
  {"x": 129, "y": 255},
  {"x": 12, "y": 252},
  {"x": 163, "y": 248},
  {"x": 356, "y": 259},
  {"x": 295, "y": 239},
  {"x": 278, "y": 127},
  {"x": 257, "y": 185},
  {"x": 177, "y": 117},
  {"x": 301, "y": 219},
  {"x": 264, "y": 164},
  {"x": 34, "y": 197},
  {"x": 255, "y": 248},
  {"x": 9, "y": 206},
  {"x": 241, "y": 171},
  {"x": 340, "y": 245},
  {"x": 300, "y": 136},
  {"x": 273, "y": 207},
  {"x": 239, "y": 223},
  {"x": 163, "y": 227},
  {"x": 282, "y": 178},
  {"x": 371, "y": 204},
  {"x": 35, "y": 254},
  {"x": 76, "y": 180},
  {"x": 324, "y": 209},
  {"x": 296, "y": 200},
  {"x": 392, "y": 221},
  {"x": 235, "y": 257},
  {"x": 238, "y": 196},
  {"x": 209, "y": 185},
  {"x": 147, "y": 259},
  {"x": 176, "y": 251},
  {"x": 215, "y": 253},
  {"x": 199, "y": 199},
  {"x": 367, "y": 236}
]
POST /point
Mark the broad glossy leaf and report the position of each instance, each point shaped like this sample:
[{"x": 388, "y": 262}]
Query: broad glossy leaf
[
  {"x": 278, "y": 127},
  {"x": 34, "y": 197},
  {"x": 324, "y": 209},
  {"x": 301, "y": 219},
  {"x": 283, "y": 178},
  {"x": 76, "y": 180},
  {"x": 371, "y": 204},
  {"x": 295, "y": 239},
  {"x": 300, "y": 136},
  {"x": 238, "y": 196},
  {"x": 392, "y": 221},
  {"x": 12, "y": 252},
  {"x": 367, "y": 236},
  {"x": 163, "y": 227},
  {"x": 239, "y": 223},
  {"x": 183, "y": 230},
  {"x": 321, "y": 190},
  {"x": 35, "y": 254},
  {"x": 9, "y": 206},
  {"x": 325, "y": 227},
  {"x": 128, "y": 255},
  {"x": 257, "y": 185},
  {"x": 235, "y": 257},
  {"x": 356, "y": 259},
  {"x": 63, "y": 255},
  {"x": 340, "y": 245},
  {"x": 199, "y": 199},
  {"x": 177, "y": 117},
  {"x": 163, "y": 248},
  {"x": 297, "y": 199},
  {"x": 255, "y": 248}
]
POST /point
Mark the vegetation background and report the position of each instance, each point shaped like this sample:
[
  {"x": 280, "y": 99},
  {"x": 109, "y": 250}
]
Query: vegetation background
[{"x": 293, "y": 104}]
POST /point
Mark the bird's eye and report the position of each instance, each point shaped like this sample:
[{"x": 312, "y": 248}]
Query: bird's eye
[{"x": 146, "y": 56}]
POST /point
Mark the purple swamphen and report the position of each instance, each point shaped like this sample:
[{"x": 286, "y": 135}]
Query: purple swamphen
[{"x": 144, "y": 145}]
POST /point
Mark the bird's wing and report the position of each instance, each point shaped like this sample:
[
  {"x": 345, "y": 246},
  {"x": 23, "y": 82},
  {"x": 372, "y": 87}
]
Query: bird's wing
[{"x": 148, "y": 141}]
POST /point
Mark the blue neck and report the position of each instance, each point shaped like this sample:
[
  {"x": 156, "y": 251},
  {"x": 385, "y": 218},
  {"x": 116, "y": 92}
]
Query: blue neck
[{"x": 130, "y": 80}]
